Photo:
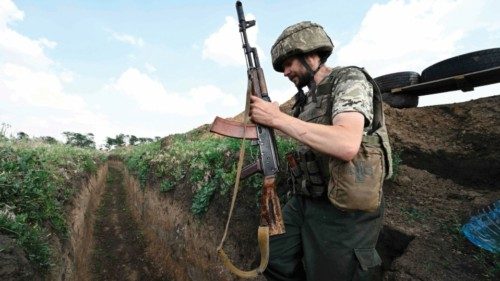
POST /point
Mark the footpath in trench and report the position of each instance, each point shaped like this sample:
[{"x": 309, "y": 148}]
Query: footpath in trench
[{"x": 119, "y": 252}]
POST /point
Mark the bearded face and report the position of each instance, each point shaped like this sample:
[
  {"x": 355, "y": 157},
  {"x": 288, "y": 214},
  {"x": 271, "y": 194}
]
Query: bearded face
[
  {"x": 296, "y": 72},
  {"x": 303, "y": 80}
]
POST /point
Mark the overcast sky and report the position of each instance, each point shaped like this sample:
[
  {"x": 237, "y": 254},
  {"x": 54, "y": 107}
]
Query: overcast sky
[{"x": 153, "y": 68}]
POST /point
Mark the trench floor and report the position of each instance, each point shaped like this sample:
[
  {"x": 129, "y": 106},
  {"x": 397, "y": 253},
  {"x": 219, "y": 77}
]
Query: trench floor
[{"x": 119, "y": 252}]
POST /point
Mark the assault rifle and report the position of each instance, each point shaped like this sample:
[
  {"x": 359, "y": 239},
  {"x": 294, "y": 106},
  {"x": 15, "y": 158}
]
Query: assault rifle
[{"x": 271, "y": 221}]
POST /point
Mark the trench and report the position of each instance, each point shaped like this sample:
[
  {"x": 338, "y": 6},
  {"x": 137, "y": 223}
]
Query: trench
[
  {"x": 391, "y": 245},
  {"x": 139, "y": 233},
  {"x": 474, "y": 171},
  {"x": 119, "y": 245}
]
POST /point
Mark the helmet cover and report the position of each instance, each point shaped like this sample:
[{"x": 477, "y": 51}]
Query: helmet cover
[{"x": 301, "y": 38}]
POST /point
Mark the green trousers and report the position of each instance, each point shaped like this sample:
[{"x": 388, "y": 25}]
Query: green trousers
[{"x": 324, "y": 243}]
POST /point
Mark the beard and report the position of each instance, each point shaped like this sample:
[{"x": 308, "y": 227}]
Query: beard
[{"x": 304, "y": 80}]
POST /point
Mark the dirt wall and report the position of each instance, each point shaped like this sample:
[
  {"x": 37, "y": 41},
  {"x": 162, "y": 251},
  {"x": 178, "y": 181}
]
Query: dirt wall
[
  {"x": 181, "y": 246},
  {"x": 74, "y": 253}
]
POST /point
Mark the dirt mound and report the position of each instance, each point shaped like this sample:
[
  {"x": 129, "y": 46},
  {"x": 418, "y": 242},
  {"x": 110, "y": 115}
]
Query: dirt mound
[
  {"x": 450, "y": 163},
  {"x": 454, "y": 141}
]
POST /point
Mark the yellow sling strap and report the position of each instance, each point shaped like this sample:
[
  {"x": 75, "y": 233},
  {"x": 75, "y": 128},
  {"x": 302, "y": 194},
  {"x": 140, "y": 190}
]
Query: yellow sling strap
[{"x": 262, "y": 232}]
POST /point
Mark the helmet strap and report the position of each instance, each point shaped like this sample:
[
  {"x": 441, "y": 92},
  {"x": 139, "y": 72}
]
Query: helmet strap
[
  {"x": 311, "y": 84},
  {"x": 300, "y": 97}
]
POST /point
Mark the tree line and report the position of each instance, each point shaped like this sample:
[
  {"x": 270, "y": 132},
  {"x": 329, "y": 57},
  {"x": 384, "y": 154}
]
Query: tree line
[{"x": 84, "y": 140}]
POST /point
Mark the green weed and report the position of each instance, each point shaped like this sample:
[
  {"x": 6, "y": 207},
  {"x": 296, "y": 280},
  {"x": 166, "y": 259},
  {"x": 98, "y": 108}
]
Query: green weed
[
  {"x": 166, "y": 186},
  {"x": 396, "y": 163},
  {"x": 489, "y": 262},
  {"x": 35, "y": 183},
  {"x": 207, "y": 163},
  {"x": 452, "y": 226},
  {"x": 31, "y": 237},
  {"x": 414, "y": 214}
]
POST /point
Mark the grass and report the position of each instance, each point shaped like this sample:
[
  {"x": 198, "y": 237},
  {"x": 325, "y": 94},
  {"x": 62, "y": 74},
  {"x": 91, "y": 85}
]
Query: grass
[
  {"x": 414, "y": 214},
  {"x": 35, "y": 183},
  {"x": 31, "y": 237},
  {"x": 488, "y": 262},
  {"x": 166, "y": 186},
  {"x": 207, "y": 163},
  {"x": 396, "y": 162}
]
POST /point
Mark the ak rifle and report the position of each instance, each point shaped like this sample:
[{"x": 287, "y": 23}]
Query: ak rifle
[{"x": 271, "y": 221}]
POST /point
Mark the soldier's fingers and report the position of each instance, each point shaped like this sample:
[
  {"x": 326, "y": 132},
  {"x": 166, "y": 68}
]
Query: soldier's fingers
[{"x": 254, "y": 98}]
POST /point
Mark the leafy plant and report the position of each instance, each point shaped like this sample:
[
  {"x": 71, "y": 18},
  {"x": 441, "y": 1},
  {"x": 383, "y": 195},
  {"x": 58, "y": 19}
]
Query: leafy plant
[
  {"x": 396, "y": 162},
  {"x": 414, "y": 214},
  {"x": 31, "y": 237},
  {"x": 35, "y": 182},
  {"x": 166, "y": 186},
  {"x": 208, "y": 163}
]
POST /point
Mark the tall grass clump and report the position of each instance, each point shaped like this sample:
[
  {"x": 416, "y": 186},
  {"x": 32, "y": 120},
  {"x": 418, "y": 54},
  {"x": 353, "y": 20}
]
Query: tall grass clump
[
  {"x": 139, "y": 159},
  {"x": 36, "y": 180},
  {"x": 206, "y": 163},
  {"x": 396, "y": 164}
]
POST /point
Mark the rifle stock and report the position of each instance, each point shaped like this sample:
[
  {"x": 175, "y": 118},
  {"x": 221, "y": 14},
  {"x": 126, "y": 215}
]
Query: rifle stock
[{"x": 270, "y": 207}]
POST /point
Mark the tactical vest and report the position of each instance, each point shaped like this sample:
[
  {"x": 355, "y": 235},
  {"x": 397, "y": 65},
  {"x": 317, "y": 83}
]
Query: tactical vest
[{"x": 317, "y": 172}]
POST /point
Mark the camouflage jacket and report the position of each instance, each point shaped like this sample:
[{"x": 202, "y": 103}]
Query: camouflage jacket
[{"x": 346, "y": 89}]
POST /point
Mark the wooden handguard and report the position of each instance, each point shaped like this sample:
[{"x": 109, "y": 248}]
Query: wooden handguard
[{"x": 270, "y": 209}]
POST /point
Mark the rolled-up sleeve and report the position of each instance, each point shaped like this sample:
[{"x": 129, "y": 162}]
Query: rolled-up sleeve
[{"x": 353, "y": 92}]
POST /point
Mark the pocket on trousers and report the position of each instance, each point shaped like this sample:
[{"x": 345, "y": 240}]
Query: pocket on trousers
[{"x": 367, "y": 258}]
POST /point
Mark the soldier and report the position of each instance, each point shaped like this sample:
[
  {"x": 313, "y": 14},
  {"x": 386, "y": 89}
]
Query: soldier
[{"x": 334, "y": 216}]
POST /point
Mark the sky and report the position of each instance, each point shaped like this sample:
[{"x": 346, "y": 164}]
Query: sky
[{"x": 155, "y": 68}]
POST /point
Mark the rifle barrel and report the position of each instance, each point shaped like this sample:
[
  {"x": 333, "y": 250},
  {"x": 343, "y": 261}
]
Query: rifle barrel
[{"x": 243, "y": 32}]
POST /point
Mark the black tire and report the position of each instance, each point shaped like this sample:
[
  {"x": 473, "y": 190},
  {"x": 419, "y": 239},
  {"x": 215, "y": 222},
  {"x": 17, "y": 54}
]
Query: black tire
[
  {"x": 396, "y": 80},
  {"x": 466, "y": 63},
  {"x": 400, "y": 100}
]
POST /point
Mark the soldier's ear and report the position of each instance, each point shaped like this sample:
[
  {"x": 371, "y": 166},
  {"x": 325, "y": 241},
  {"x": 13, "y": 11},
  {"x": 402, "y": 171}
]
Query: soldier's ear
[{"x": 313, "y": 58}]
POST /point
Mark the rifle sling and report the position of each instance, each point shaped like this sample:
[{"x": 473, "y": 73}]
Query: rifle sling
[
  {"x": 263, "y": 238},
  {"x": 263, "y": 231}
]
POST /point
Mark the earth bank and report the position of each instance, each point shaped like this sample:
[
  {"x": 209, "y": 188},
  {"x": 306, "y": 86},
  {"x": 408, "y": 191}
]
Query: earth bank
[{"x": 449, "y": 169}]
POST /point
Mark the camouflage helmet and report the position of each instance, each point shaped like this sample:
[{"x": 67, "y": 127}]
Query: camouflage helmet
[{"x": 301, "y": 38}]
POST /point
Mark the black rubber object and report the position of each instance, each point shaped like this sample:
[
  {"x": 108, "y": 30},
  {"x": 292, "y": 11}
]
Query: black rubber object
[
  {"x": 396, "y": 80},
  {"x": 400, "y": 100},
  {"x": 466, "y": 63}
]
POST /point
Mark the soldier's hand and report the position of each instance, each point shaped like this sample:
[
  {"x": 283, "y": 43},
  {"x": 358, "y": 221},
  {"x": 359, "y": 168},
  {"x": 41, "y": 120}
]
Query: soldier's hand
[{"x": 263, "y": 112}]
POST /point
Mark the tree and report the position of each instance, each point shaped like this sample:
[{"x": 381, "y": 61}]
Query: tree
[
  {"x": 48, "y": 139},
  {"x": 110, "y": 142},
  {"x": 145, "y": 140},
  {"x": 22, "y": 136},
  {"x": 120, "y": 140},
  {"x": 80, "y": 140},
  {"x": 133, "y": 140}
]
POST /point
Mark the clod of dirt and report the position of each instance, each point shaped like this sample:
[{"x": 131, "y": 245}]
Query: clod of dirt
[{"x": 13, "y": 262}]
